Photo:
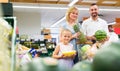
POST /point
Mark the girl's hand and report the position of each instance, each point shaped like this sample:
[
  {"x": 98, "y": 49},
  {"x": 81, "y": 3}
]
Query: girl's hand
[
  {"x": 73, "y": 56},
  {"x": 63, "y": 56}
]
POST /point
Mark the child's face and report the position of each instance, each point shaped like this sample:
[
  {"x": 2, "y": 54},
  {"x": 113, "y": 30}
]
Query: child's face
[{"x": 66, "y": 36}]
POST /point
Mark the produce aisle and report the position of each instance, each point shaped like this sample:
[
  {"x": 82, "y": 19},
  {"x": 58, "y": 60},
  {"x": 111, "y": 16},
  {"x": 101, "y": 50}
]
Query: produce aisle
[
  {"x": 36, "y": 56},
  {"x": 99, "y": 62}
]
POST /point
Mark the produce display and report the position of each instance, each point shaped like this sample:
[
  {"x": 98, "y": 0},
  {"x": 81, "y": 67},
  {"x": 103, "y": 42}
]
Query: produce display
[
  {"x": 42, "y": 64},
  {"x": 108, "y": 58},
  {"x": 104, "y": 59},
  {"x": 84, "y": 65},
  {"x": 5, "y": 43},
  {"x": 100, "y": 35},
  {"x": 84, "y": 51},
  {"x": 82, "y": 37},
  {"x": 85, "y": 48}
]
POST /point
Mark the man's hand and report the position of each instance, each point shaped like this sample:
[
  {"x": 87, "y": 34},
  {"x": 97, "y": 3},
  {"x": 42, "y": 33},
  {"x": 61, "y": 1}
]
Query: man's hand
[{"x": 91, "y": 37}]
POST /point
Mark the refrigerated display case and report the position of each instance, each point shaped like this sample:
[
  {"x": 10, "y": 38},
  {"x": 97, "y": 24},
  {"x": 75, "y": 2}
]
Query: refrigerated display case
[{"x": 7, "y": 43}]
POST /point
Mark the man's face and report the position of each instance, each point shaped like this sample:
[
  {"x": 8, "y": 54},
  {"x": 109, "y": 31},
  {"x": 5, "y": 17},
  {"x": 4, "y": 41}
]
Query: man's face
[{"x": 94, "y": 11}]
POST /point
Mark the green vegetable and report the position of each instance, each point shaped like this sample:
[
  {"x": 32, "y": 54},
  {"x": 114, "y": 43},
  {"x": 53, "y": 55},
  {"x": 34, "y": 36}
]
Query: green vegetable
[
  {"x": 108, "y": 58},
  {"x": 83, "y": 51},
  {"x": 82, "y": 37},
  {"x": 84, "y": 65},
  {"x": 100, "y": 35},
  {"x": 42, "y": 64},
  {"x": 85, "y": 48}
]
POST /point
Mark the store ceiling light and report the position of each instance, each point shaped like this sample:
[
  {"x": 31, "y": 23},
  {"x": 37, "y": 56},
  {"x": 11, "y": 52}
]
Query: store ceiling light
[
  {"x": 62, "y": 8},
  {"x": 109, "y": 2},
  {"x": 88, "y": 1},
  {"x": 38, "y": 7},
  {"x": 110, "y": 9}
]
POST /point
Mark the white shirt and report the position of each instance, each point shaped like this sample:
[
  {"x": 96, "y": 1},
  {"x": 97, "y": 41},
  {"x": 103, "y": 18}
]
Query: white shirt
[
  {"x": 113, "y": 37},
  {"x": 89, "y": 26},
  {"x": 65, "y": 48}
]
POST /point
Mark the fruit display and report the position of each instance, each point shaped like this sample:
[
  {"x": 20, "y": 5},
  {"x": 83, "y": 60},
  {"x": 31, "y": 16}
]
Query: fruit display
[
  {"x": 69, "y": 53},
  {"x": 42, "y": 64},
  {"x": 84, "y": 51},
  {"x": 5, "y": 57},
  {"x": 82, "y": 38},
  {"x": 84, "y": 65},
  {"x": 85, "y": 48},
  {"x": 108, "y": 58},
  {"x": 100, "y": 35}
]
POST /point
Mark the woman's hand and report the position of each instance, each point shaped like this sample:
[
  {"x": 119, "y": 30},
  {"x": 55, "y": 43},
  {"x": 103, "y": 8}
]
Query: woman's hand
[{"x": 76, "y": 35}]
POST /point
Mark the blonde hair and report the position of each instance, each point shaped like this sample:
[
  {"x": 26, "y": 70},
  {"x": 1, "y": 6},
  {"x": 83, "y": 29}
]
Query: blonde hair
[
  {"x": 69, "y": 11},
  {"x": 62, "y": 32},
  {"x": 65, "y": 30}
]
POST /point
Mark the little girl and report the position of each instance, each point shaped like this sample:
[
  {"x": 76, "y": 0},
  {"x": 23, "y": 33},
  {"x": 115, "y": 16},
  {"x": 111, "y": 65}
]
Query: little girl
[{"x": 64, "y": 46}]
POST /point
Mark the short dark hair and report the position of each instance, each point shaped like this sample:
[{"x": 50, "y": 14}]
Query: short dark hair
[{"x": 93, "y": 4}]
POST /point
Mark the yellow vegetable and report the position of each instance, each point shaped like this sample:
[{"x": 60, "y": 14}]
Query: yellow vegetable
[{"x": 69, "y": 53}]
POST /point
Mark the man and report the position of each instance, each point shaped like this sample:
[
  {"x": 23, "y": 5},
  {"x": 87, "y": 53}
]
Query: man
[{"x": 94, "y": 23}]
